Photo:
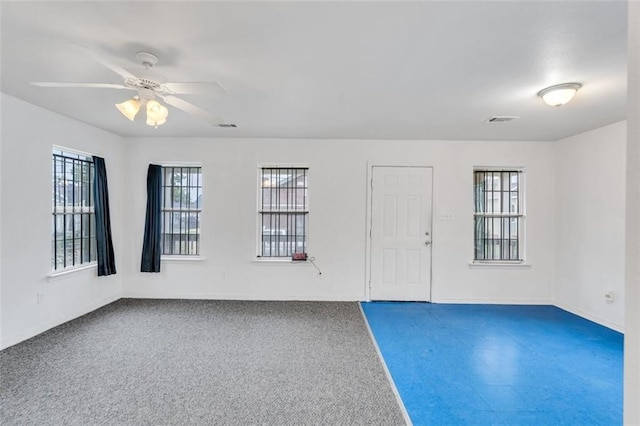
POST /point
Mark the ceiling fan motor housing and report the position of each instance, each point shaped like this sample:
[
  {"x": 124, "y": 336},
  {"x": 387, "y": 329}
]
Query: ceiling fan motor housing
[
  {"x": 147, "y": 59},
  {"x": 146, "y": 94},
  {"x": 145, "y": 78}
]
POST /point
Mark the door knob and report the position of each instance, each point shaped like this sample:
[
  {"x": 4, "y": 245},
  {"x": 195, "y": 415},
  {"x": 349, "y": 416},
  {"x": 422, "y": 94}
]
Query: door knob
[{"x": 426, "y": 243}]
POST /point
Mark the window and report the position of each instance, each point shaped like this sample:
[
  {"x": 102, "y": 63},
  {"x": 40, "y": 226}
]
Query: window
[
  {"x": 73, "y": 230},
  {"x": 498, "y": 215},
  {"x": 283, "y": 214},
  {"x": 181, "y": 208}
]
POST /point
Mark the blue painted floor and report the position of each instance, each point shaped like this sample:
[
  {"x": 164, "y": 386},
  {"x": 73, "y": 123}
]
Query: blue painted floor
[{"x": 499, "y": 364}]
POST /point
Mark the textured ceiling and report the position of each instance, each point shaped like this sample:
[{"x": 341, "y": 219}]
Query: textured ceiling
[{"x": 364, "y": 70}]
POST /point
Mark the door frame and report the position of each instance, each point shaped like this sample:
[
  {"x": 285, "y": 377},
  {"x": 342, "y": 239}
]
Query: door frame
[{"x": 369, "y": 222}]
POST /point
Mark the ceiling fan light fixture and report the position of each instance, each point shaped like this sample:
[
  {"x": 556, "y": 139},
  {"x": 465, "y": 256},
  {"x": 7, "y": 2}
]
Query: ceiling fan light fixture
[
  {"x": 559, "y": 94},
  {"x": 129, "y": 108},
  {"x": 156, "y": 113},
  {"x": 155, "y": 110},
  {"x": 156, "y": 123}
]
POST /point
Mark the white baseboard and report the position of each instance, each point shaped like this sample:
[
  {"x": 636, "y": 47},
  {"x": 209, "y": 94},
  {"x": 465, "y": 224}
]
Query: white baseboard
[
  {"x": 41, "y": 328},
  {"x": 236, "y": 296},
  {"x": 319, "y": 298},
  {"x": 492, "y": 301},
  {"x": 589, "y": 316}
]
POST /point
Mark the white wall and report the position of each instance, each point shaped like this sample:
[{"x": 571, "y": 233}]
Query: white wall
[
  {"x": 338, "y": 188},
  {"x": 632, "y": 278},
  {"x": 572, "y": 185},
  {"x": 590, "y": 224},
  {"x": 1, "y": 209},
  {"x": 28, "y": 133}
]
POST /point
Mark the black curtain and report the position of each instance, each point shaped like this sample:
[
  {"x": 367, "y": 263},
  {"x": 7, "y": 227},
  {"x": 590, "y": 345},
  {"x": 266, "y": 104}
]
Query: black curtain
[
  {"x": 106, "y": 259},
  {"x": 151, "y": 245}
]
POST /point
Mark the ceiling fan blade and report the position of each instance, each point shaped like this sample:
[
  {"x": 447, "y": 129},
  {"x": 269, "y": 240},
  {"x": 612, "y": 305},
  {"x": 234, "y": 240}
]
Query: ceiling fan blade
[
  {"x": 191, "y": 109},
  {"x": 101, "y": 59},
  {"x": 82, "y": 85},
  {"x": 195, "y": 88}
]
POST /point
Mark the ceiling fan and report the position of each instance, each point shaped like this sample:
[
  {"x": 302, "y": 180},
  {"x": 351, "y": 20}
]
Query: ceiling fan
[{"x": 150, "y": 87}]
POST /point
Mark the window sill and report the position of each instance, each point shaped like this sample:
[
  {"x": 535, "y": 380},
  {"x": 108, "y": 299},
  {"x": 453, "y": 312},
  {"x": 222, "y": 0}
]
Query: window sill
[
  {"x": 499, "y": 265},
  {"x": 54, "y": 276},
  {"x": 182, "y": 258},
  {"x": 276, "y": 261}
]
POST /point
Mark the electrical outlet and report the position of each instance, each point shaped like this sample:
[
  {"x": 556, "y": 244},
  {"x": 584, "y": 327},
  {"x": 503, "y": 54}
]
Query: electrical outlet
[
  {"x": 40, "y": 298},
  {"x": 610, "y": 296}
]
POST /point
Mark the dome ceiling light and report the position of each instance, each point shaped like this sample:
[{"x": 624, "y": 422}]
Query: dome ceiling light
[{"x": 559, "y": 94}]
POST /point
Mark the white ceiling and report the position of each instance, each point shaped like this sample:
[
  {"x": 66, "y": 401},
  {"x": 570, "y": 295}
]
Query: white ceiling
[{"x": 364, "y": 70}]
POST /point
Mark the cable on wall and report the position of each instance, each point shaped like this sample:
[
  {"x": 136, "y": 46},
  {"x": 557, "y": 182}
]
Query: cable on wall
[{"x": 312, "y": 260}]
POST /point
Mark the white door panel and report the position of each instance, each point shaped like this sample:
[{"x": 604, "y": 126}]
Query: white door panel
[{"x": 401, "y": 233}]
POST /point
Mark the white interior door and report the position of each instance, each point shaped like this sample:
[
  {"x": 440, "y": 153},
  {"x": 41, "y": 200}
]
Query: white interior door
[{"x": 401, "y": 233}]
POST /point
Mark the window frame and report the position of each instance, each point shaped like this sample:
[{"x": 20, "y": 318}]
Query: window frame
[
  {"x": 73, "y": 211},
  {"x": 163, "y": 210},
  {"x": 259, "y": 231},
  {"x": 520, "y": 214}
]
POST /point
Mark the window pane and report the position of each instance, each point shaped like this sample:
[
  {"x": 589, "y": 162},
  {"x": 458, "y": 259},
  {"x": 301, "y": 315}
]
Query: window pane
[
  {"x": 505, "y": 202},
  {"x": 174, "y": 197},
  {"x": 76, "y": 225},
  {"x": 496, "y": 197},
  {"x": 513, "y": 228},
  {"x": 194, "y": 223},
  {"x": 68, "y": 252},
  {"x": 283, "y": 211},
  {"x": 182, "y": 193},
  {"x": 59, "y": 246},
  {"x": 72, "y": 181},
  {"x": 91, "y": 178},
  {"x": 167, "y": 198},
  {"x": 283, "y": 233},
  {"x": 496, "y": 238},
  {"x": 514, "y": 181},
  {"x": 92, "y": 226},
  {"x": 514, "y": 249},
  {"x": 300, "y": 199},
  {"x": 479, "y": 195},
  {"x": 301, "y": 178},
  {"x": 479, "y": 238},
  {"x": 84, "y": 185},
  {"x": 495, "y": 179}
]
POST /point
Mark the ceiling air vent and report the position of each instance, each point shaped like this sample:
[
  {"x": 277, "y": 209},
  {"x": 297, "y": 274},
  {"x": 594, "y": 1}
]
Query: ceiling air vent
[
  {"x": 501, "y": 118},
  {"x": 227, "y": 125}
]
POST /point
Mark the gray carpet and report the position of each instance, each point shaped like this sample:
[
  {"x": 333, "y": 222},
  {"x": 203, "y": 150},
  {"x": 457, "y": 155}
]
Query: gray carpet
[{"x": 181, "y": 362}]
